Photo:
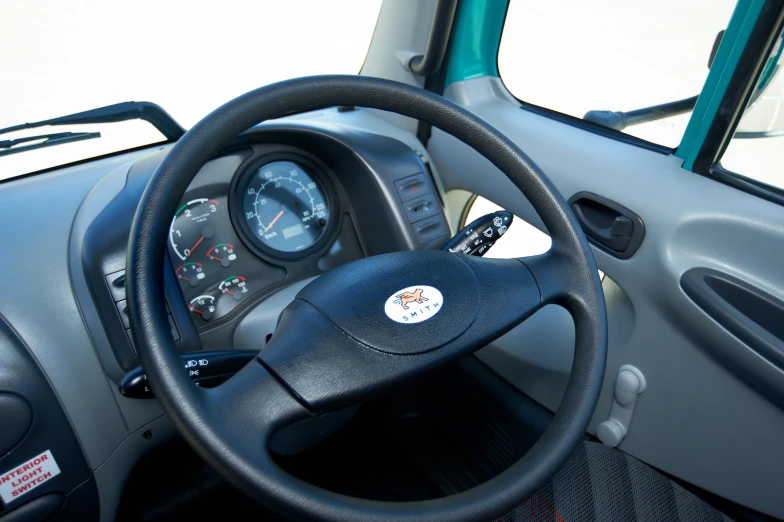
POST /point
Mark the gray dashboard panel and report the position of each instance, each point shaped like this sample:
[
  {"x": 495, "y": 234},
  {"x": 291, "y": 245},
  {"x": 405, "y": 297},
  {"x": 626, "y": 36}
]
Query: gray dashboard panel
[
  {"x": 697, "y": 419},
  {"x": 135, "y": 413},
  {"x": 38, "y": 298}
]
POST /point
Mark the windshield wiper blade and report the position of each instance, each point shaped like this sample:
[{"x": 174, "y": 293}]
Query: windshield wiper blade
[
  {"x": 124, "y": 111},
  {"x": 45, "y": 140}
]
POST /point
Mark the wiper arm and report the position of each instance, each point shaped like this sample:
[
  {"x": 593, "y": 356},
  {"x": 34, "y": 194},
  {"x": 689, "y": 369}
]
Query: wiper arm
[
  {"x": 621, "y": 120},
  {"x": 45, "y": 140},
  {"x": 124, "y": 111}
]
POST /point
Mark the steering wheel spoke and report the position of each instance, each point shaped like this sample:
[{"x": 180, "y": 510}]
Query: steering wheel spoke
[
  {"x": 253, "y": 403},
  {"x": 558, "y": 276}
]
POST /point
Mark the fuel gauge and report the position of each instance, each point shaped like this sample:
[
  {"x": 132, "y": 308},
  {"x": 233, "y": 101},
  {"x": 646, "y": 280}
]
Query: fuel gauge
[{"x": 204, "y": 306}]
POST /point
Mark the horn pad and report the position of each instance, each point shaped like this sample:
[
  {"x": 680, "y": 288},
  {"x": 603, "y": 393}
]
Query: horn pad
[{"x": 404, "y": 303}]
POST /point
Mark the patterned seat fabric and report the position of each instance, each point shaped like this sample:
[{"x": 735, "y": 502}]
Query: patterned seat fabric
[{"x": 602, "y": 484}]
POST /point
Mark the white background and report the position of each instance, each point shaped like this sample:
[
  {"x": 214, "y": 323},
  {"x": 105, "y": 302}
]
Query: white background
[{"x": 190, "y": 56}]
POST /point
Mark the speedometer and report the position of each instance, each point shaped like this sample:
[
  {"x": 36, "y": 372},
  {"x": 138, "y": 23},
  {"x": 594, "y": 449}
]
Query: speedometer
[{"x": 283, "y": 205}]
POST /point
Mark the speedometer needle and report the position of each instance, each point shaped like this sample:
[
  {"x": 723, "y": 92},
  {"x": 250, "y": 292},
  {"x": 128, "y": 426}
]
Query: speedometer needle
[{"x": 274, "y": 220}]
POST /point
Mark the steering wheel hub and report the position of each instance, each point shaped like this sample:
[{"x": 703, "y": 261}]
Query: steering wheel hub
[{"x": 354, "y": 297}]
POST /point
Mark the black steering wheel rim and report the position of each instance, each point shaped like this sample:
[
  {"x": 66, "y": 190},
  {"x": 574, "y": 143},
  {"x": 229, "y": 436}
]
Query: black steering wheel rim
[{"x": 574, "y": 282}]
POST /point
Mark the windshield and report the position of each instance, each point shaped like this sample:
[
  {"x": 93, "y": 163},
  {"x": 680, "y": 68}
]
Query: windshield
[{"x": 189, "y": 57}]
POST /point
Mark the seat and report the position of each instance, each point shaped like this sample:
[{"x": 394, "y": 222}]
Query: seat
[{"x": 602, "y": 484}]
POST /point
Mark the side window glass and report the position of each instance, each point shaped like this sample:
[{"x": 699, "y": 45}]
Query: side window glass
[
  {"x": 636, "y": 67},
  {"x": 757, "y": 147}
]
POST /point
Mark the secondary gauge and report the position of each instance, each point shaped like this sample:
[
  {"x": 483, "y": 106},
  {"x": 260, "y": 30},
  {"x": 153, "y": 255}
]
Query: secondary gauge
[
  {"x": 191, "y": 226},
  {"x": 283, "y": 204},
  {"x": 222, "y": 253},
  {"x": 191, "y": 273},
  {"x": 234, "y": 286},
  {"x": 204, "y": 306}
]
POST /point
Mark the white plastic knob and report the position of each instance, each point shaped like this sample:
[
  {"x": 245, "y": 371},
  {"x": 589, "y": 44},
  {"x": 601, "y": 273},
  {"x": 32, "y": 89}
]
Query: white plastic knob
[
  {"x": 610, "y": 432},
  {"x": 627, "y": 386},
  {"x": 629, "y": 383}
]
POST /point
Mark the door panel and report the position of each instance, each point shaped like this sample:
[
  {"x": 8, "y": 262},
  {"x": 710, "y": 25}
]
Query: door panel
[{"x": 709, "y": 414}]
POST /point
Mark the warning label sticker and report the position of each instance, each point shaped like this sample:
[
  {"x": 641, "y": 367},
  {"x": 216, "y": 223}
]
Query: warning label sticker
[{"x": 27, "y": 476}]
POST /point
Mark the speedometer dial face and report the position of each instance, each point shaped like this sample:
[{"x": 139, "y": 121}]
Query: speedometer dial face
[{"x": 284, "y": 206}]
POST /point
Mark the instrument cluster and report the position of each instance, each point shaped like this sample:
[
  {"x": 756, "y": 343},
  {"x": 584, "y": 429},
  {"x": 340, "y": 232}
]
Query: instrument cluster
[{"x": 281, "y": 206}]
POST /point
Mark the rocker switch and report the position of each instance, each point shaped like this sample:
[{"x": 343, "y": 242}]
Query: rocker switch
[
  {"x": 421, "y": 208},
  {"x": 412, "y": 187}
]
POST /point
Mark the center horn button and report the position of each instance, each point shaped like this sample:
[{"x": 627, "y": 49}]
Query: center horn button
[{"x": 399, "y": 303}]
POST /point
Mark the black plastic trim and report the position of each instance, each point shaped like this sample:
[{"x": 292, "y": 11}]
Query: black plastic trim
[
  {"x": 748, "y": 185},
  {"x": 436, "y": 80},
  {"x": 750, "y": 314},
  {"x": 741, "y": 85},
  {"x": 50, "y": 429},
  {"x": 638, "y": 233},
  {"x": 441, "y": 29}
]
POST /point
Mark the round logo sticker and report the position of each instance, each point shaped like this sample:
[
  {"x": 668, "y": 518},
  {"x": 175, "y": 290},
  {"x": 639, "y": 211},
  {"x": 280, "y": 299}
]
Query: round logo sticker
[{"x": 414, "y": 304}]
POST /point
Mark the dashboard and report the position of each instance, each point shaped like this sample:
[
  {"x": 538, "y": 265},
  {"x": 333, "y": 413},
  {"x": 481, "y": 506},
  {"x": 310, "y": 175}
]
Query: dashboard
[{"x": 281, "y": 204}]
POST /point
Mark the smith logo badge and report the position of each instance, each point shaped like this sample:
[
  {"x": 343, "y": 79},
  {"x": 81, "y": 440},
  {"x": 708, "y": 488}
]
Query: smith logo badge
[{"x": 414, "y": 304}]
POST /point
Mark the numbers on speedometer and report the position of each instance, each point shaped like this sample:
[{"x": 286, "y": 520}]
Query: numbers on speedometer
[{"x": 284, "y": 206}]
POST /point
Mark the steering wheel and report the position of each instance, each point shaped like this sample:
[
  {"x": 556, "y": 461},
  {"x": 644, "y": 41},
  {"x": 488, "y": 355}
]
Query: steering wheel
[{"x": 335, "y": 345}]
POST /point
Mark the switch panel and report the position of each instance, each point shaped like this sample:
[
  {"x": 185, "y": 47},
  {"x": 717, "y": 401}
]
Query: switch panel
[
  {"x": 429, "y": 229},
  {"x": 412, "y": 187},
  {"x": 116, "y": 282},
  {"x": 422, "y": 207},
  {"x": 122, "y": 309}
]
